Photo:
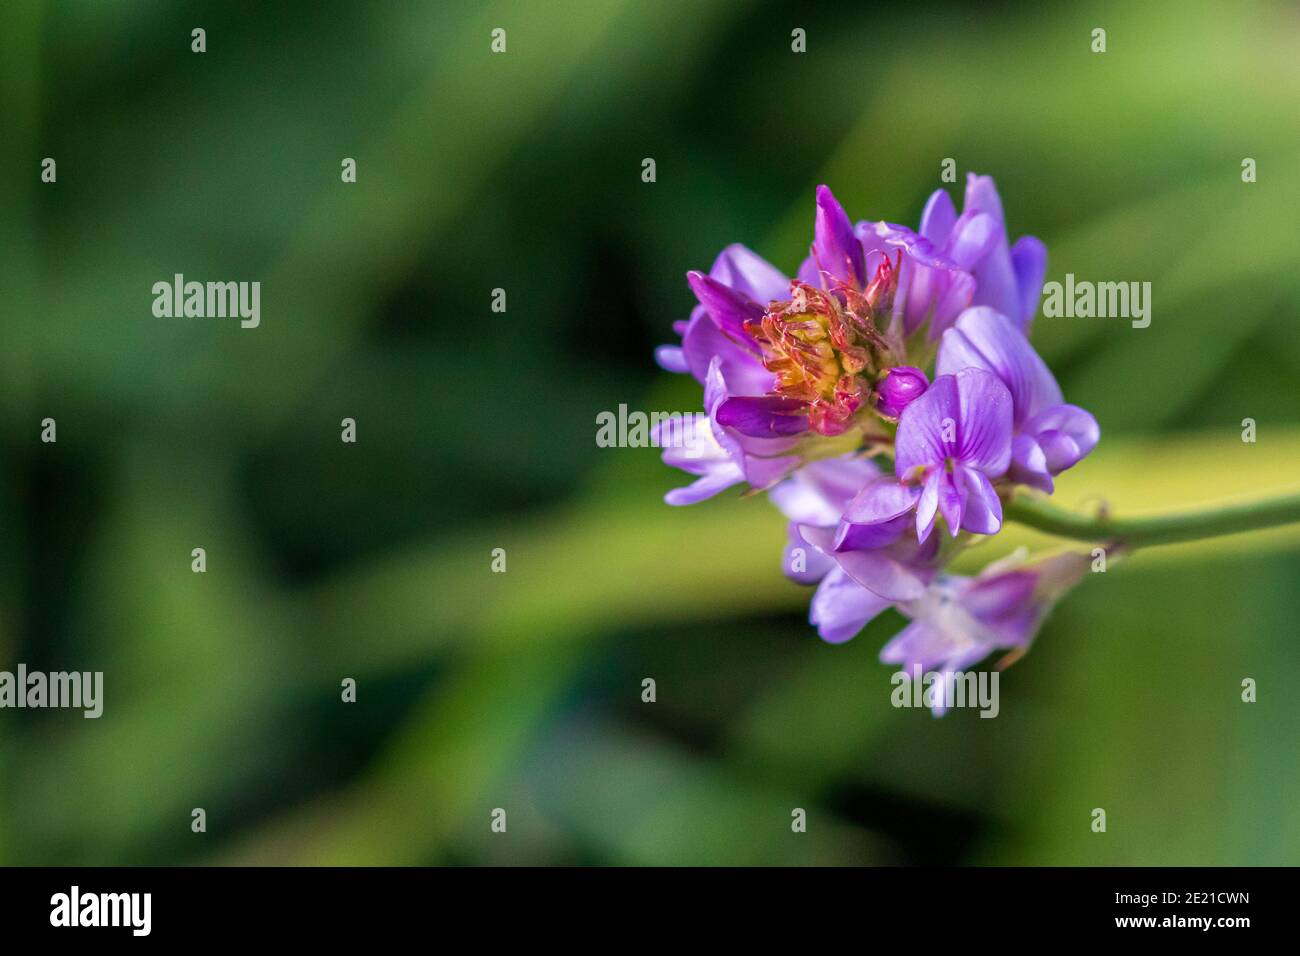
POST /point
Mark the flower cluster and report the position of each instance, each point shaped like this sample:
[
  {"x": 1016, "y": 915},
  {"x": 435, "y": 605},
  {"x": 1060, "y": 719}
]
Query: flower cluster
[{"x": 817, "y": 391}]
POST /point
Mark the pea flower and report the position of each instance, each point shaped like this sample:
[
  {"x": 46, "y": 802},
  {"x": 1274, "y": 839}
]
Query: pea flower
[
  {"x": 1049, "y": 435},
  {"x": 813, "y": 499},
  {"x": 1007, "y": 277},
  {"x": 961, "y": 620},
  {"x": 718, "y": 457},
  {"x": 952, "y": 442},
  {"x": 858, "y": 581}
]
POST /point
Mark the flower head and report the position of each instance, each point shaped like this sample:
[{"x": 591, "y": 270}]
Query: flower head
[{"x": 807, "y": 378}]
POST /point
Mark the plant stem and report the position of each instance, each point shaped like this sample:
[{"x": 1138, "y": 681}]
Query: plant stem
[{"x": 1142, "y": 532}]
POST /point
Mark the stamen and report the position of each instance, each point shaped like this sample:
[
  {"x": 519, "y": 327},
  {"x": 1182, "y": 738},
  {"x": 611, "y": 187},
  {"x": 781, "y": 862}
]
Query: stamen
[{"x": 819, "y": 344}]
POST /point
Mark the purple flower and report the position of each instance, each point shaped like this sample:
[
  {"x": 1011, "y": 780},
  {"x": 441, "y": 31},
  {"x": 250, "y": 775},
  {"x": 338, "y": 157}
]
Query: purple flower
[
  {"x": 898, "y": 388},
  {"x": 818, "y": 492},
  {"x": 1049, "y": 436},
  {"x": 933, "y": 286},
  {"x": 806, "y": 378},
  {"x": 1009, "y": 278},
  {"x": 718, "y": 352},
  {"x": 800, "y": 355},
  {"x": 961, "y": 620},
  {"x": 815, "y": 497},
  {"x": 951, "y": 443},
  {"x": 718, "y": 456},
  {"x": 854, "y": 585},
  {"x": 842, "y": 607},
  {"x": 738, "y": 280}
]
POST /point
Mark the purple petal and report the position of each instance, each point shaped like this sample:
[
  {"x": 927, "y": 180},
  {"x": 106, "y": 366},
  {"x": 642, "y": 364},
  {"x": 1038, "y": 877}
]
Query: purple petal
[
  {"x": 1005, "y": 605},
  {"x": 671, "y": 359},
  {"x": 983, "y": 508},
  {"x": 835, "y": 247},
  {"x": 919, "y": 288},
  {"x": 749, "y": 274},
  {"x": 818, "y": 493},
  {"x": 762, "y": 472},
  {"x": 1029, "y": 464},
  {"x": 841, "y": 607},
  {"x": 884, "y": 574},
  {"x": 964, "y": 417},
  {"x": 1029, "y": 261},
  {"x": 720, "y": 477},
  {"x": 880, "y": 501},
  {"x": 985, "y": 429},
  {"x": 1057, "y": 573},
  {"x": 756, "y": 457},
  {"x": 688, "y": 443},
  {"x": 996, "y": 283},
  {"x": 885, "y": 237},
  {"x": 764, "y": 416},
  {"x": 816, "y": 563},
  {"x": 1060, "y": 450},
  {"x": 951, "y": 302},
  {"x": 921, "y": 441},
  {"x": 809, "y": 273},
  {"x": 974, "y": 236},
  {"x": 728, "y": 308},
  {"x": 1000, "y": 595},
  {"x": 927, "y": 507},
  {"x": 943, "y": 635},
  {"x": 952, "y": 500},
  {"x": 899, "y": 572},
  {"x": 715, "y": 393},
  {"x": 982, "y": 195},
  {"x": 938, "y": 218},
  {"x": 858, "y": 537},
  {"x": 742, "y": 372},
  {"x": 920, "y": 644},
  {"x": 1067, "y": 434},
  {"x": 983, "y": 338},
  {"x": 929, "y": 282}
]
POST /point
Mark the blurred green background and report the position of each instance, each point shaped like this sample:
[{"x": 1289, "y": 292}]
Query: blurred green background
[{"x": 476, "y": 430}]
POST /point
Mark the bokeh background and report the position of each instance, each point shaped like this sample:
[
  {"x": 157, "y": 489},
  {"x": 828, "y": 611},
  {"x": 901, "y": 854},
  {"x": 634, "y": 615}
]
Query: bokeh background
[{"x": 476, "y": 430}]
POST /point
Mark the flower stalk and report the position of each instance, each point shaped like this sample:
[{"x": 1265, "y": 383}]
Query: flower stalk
[{"x": 1148, "y": 530}]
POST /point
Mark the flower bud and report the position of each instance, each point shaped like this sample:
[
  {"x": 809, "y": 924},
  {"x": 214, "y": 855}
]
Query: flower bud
[{"x": 897, "y": 388}]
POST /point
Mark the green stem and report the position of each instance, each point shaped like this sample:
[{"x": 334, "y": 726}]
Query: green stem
[{"x": 1142, "y": 532}]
